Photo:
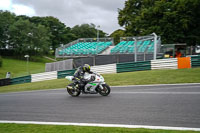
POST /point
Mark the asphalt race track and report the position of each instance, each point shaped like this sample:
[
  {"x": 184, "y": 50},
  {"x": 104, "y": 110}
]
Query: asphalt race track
[{"x": 159, "y": 105}]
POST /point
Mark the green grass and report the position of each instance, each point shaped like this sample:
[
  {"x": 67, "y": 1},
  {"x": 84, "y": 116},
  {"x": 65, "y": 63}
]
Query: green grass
[
  {"x": 18, "y": 67},
  {"x": 155, "y": 77},
  {"x": 49, "y": 84},
  {"x": 22, "y": 128},
  {"x": 131, "y": 78}
]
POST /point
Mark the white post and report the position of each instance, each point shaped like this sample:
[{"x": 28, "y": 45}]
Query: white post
[
  {"x": 155, "y": 45},
  {"x": 27, "y": 66},
  {"x": 135, "y": 45},
  {"x": 98, "y": 32}
]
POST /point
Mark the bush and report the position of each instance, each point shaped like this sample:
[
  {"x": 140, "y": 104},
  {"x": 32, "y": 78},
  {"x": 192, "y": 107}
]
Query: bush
[{"x": 1, "y": 62}]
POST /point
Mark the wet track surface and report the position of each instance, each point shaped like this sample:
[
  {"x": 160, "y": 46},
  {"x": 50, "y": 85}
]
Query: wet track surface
[{"x": 165, "y": 105}]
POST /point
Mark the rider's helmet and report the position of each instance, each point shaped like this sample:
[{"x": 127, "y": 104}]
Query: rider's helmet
[{"x": 86, "y": 68}]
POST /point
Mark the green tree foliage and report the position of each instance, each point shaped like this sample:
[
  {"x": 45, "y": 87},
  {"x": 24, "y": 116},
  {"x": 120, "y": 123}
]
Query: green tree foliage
[
  {"x": 28, "y": 38},
  {"x": 38, "y": 35},
  {"x": 117, "y": 34},
  {"x": 87, "y": 31},
  {"x": 6, "y": 19},
  {"x": 60, "y": 34},
  {"x": 177, "y": 21}
]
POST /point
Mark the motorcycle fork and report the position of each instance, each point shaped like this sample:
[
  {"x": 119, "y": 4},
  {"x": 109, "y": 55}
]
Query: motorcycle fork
[{"x": 101, "y": 87}]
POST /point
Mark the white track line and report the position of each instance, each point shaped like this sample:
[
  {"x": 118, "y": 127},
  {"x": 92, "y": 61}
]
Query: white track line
[
  {"x": 101, "y": 125},
  {"x": 175, "y": 93},
  {"x": 158, "y": 85}
]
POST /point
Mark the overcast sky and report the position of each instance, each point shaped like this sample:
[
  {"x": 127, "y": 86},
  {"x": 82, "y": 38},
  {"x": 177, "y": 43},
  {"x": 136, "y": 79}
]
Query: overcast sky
[{"x": 70, "y": 12}]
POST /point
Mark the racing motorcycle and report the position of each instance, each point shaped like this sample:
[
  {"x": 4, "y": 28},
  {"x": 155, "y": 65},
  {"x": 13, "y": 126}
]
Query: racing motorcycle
[{"x": 95, "y": 86}]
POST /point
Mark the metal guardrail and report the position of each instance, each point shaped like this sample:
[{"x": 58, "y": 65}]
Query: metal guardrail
[
  {"x": 4, "y": 82},
  {"x": 133, "y": 66},
  {"x": 21, "y": 80},
  {"x": 103, "y": 69},
  {"x": 63, "y": 74},
  {"x": 172, "y": 63},
  {"x": 164, "y": 64},
  {"x": 44, "y": 76},
  {"x": 195, "y": 61}
]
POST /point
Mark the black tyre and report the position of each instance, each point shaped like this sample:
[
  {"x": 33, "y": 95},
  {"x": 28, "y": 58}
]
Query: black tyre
[
  {"x": 74, "y": 92},
  {"x": 105, "y": 91}
]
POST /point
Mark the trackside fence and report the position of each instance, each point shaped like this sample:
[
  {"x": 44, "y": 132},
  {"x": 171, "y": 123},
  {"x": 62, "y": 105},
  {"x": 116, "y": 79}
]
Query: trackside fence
[
  {"x": 164, "y": 64},
  {"x": 133, "y": 66},
  {"x": 195, "y": 61},
  {"x": 103, "y": 69},
  {"x": 44, "y": 76},
  {"x": 20, "y": 80},
  {"x": 4, "y": 82},
  {"x": 63, "y": 74},
  {"x": 172, "y": 63}
]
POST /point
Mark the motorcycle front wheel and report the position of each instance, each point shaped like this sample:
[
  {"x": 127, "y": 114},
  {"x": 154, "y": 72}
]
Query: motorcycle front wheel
[
  {"x": 105, "y": 91},
  {"x": 72, "y": 90}
]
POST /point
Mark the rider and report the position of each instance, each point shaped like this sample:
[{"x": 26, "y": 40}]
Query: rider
[{"x": 79, "y": 75}]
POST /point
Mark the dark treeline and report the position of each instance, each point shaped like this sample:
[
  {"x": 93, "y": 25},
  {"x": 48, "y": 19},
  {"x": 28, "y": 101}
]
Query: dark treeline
[
  {"x": 176, "y": 21},
  {"x": 21, "y": 35}
]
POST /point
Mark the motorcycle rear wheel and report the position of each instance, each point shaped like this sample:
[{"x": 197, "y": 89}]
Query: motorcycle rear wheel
[
  {"x": 105, "y": 91},
  {"x": 74, "y": 92}
]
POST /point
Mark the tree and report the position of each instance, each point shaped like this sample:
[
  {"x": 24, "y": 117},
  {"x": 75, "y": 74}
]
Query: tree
[
  {"x": 26, "y": 37},
  {"x": 23, "y": 34},
  {"x": 41, "y": 39},
  {"x": 6, "y": 19},
  {"x": 117, "y": 34},
  {"x": 60, "y": 34},
  {"x": 87, "y": 31},
  {"x": 175, "y": 20}
]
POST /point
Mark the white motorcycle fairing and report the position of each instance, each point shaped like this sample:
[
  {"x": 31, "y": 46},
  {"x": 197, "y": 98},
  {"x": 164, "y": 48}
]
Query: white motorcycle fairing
[
  {"x": 69, "y": 78},
  {"x": 95, "y": 86}
]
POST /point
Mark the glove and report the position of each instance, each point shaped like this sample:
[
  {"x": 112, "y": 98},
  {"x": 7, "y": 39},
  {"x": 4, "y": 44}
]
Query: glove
[{"x": 92, "y": 78}]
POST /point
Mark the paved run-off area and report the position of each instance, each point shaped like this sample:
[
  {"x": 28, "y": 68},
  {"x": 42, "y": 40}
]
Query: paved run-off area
[{"x": 159, "y": 105}]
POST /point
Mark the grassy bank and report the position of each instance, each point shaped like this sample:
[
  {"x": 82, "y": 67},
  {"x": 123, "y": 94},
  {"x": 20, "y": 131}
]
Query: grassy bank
[
  {"x": 20, "y": 128},
  {"x": 19, "y": 67},
  {"x": 130, "y": 78}
]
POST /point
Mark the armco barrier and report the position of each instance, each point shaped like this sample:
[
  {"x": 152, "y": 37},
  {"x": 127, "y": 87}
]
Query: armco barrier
[
  {"x": 103, "y": 69},
  {"x": 4, "y": 82},
  {"x": 20, "y": 80},
  {"x": 62, "y": 74},
  {"x": 44, "y": 76},
  {"x": 133, "y": 66},
  {"x": 171, "y": 63},
  {"x": 195, "y": 61}
]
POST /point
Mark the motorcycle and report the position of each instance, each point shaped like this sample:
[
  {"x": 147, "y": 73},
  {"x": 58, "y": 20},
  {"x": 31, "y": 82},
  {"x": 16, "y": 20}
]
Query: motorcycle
[{"x": 95, "y": 86}]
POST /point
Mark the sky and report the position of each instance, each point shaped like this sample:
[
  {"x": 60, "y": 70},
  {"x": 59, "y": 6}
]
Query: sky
[{"x": 71, "y": 12}]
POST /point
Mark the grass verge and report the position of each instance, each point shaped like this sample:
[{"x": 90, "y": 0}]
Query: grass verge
[
  {"x": 23, "y": 128},
  {"x": 19, "y": 67},
  {"x": 130, "y": 78},
  {"x": 49, "y": 84},
  {"x": 155, "y": 77}
]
